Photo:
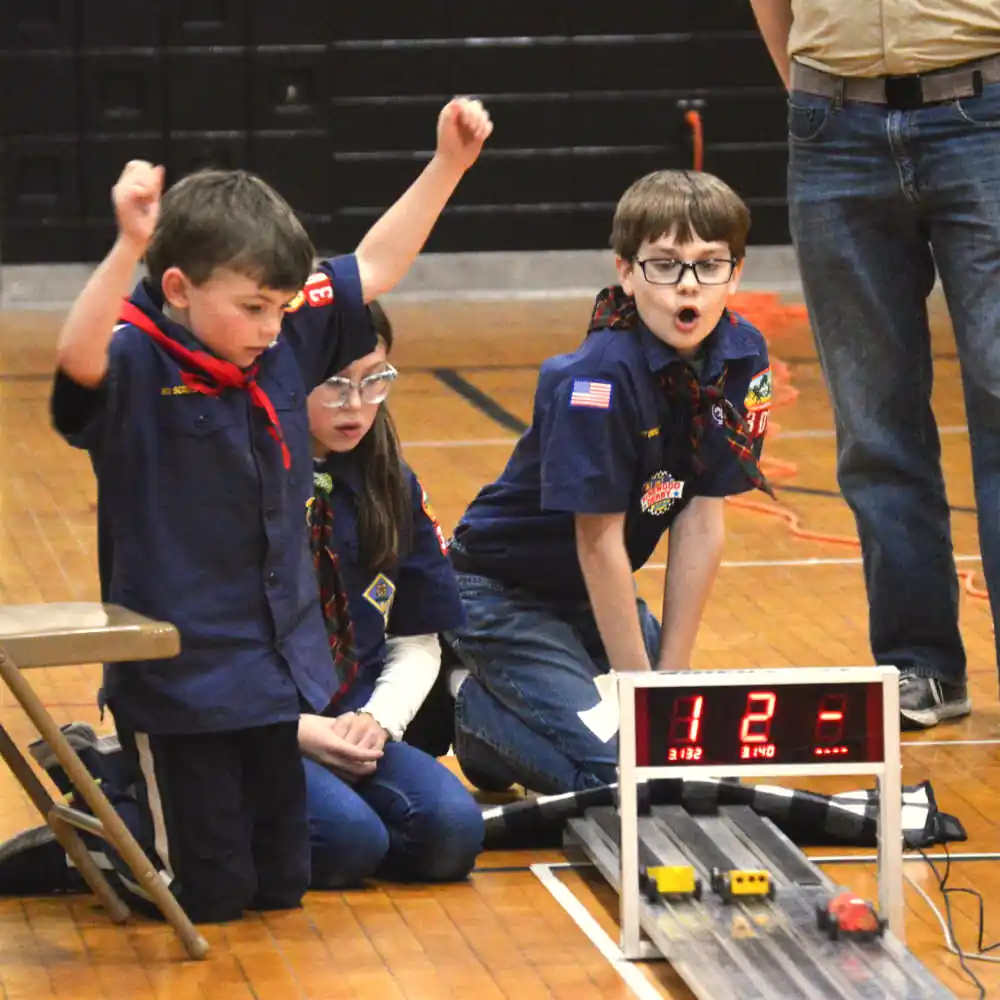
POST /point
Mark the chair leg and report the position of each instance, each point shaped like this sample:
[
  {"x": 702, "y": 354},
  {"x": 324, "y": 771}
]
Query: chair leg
[
  {"x": 67, "y": 836},
  {"x": 115, "y": 830}
]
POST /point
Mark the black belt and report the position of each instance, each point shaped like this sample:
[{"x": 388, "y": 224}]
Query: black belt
[{"x": 901, "y": 93}]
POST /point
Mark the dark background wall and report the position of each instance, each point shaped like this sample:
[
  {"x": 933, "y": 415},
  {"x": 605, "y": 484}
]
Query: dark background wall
[{"x": 335, "y": 103}]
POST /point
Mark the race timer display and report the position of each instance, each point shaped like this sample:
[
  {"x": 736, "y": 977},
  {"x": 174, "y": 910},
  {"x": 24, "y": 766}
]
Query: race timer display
[{"x": 764, "y": 724}]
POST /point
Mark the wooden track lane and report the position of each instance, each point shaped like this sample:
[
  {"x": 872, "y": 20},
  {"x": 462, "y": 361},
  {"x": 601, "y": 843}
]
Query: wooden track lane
[{"x": 501, "y": 935}]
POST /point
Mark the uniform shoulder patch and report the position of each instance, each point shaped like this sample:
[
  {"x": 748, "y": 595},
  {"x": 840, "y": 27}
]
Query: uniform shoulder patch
[
  {"x": 425, "y": 506},
  {"x": 591, "y": 393},
  {"x": 318, "y": 291},
  {"x": 758, "y": 402},
  {"x": 759, "y": 391},
  {"x": 380, "y": 594}
]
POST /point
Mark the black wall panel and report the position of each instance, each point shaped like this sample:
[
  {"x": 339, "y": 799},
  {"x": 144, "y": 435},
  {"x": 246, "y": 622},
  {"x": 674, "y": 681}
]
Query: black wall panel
[
  {"x": 208, "y": 90},
  {"x": 33, "y": 25},
  {"x": 122, "y": 24},
  {"x": 290, "y": 89},
  {"x": 41, "y": 185},
  {"x": 122, "y": 92},
  {"x": 38, "y": 92},
  {"x": 336, "y": 104},
  {"x": 206, "y": 23}
]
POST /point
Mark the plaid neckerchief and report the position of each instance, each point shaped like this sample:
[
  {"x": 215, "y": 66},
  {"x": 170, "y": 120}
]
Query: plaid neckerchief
[
  {"x": 683, "y": 390},
  {"x": 615, "y": 310},
  {"x": 204, "y": 373},
  {"x": 332, "y": 592}
]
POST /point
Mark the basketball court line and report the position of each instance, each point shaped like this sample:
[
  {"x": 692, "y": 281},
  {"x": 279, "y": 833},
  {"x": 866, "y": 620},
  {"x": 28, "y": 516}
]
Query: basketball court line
[
  {"x": 794, "y": 563},
  {"x": 803, "y": 434},
  {"x": 474, "y": 443},
  {"x": 950, "y": 743},
  {"x": 629, "y": 972}
]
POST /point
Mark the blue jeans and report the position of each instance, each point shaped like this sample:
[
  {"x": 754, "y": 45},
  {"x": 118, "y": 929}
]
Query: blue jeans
[
  {"x": 878, "y": 198},
  {"x": 412, "y": 820},
  {"x": 532, "y": 662}
]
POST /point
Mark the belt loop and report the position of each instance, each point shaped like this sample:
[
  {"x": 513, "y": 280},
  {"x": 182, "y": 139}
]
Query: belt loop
[{"x": 839, "y": 85}]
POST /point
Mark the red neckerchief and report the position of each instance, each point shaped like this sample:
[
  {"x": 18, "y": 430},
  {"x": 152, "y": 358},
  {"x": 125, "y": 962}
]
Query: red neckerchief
[{"x": 212, "y": 375}]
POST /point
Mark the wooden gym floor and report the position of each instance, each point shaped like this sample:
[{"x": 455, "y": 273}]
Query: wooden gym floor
[{"x": 468, "y": 373}]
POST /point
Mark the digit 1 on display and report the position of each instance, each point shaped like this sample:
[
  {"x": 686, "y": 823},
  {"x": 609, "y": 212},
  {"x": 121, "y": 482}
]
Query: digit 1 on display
[
  {"x": 756, "y": 724},
  {"x": 685, "y": 720}
]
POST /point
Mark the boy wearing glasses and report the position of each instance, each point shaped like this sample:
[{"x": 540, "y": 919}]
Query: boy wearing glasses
[{"x": 647, "y": 427}]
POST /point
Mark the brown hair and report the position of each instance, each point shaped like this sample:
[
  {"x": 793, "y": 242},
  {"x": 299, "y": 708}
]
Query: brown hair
[
  {"x": 687, "y": 204},
  {"x": 385, "y": 517},
  {"x": 232, "y": 219}
]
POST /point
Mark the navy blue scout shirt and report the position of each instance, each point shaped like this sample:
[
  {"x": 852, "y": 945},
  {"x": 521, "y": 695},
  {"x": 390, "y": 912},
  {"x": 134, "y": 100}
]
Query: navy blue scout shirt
[
  {"x": 417, "y": 596},
  {"x": 602, "y": 441},
  {"x": 201, "y": 521}
]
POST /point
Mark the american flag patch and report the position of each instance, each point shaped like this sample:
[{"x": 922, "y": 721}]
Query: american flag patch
[{"x": 594, "y": 394}]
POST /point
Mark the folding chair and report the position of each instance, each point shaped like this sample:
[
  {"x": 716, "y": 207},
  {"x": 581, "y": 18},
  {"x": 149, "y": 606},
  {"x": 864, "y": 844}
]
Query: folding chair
[{"x": 58, "y": 635}]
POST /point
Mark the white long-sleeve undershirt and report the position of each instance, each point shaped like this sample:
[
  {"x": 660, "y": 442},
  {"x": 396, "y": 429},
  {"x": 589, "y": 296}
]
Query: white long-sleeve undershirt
[{"x": 412, "y": 663}]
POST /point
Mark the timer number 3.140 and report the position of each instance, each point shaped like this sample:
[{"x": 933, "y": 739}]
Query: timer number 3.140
[{"x": 687, "y": 719}]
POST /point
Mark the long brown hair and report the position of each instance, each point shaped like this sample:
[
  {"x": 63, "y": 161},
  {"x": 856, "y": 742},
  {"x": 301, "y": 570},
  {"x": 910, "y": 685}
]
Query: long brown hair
[{"x": 385, "y": 517}]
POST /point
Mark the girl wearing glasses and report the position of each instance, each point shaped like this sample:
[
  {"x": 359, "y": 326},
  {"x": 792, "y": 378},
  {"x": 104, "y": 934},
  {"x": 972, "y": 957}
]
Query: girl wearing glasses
[{"x": 376, "y": 804}]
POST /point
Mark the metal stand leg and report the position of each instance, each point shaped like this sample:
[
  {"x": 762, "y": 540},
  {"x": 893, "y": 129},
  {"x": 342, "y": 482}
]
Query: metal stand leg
[
  {"x": 890, "y": 821},
  {"x": 628, "y": 817},
  {"x": 112, "y": 828}
]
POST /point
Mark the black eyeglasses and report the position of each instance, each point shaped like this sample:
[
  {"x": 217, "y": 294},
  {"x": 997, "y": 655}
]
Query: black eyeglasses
[{"x": 668, "y": 271}]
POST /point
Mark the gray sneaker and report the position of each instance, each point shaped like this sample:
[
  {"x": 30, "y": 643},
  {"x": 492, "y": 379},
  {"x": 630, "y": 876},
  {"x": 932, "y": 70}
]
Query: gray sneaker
[{"x": 926, "y": 701}]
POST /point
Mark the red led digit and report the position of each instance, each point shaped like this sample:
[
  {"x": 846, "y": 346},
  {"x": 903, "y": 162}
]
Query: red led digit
[
  {"x": 756, "y": 724},
  {"x": 830, "y": 718},
  {"x": 685, "y": 720}
]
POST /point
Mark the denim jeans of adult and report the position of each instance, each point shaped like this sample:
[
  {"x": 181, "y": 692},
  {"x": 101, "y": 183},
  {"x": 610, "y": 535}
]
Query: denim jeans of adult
[
  {"x": 533, "y": 661},
  {"x": 410, "y": 821},
  {"x": 878, "y": 198}
]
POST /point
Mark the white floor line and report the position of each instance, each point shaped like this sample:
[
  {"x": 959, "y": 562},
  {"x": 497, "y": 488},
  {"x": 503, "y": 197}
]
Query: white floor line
[
  {"x": 843, "y": 859},
  {"x": 822, "y": 432},
  {"x": 477, "y": 443},
  {"x": 764, "y": 563},
  {"x": 950, "y": 743},
  {"x": 779, "y": 436},
  {"x": 630, "y": 973}
]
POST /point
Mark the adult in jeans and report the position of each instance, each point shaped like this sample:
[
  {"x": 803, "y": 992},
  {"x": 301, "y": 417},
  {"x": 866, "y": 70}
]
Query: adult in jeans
[{"x": 894, "y": 168}]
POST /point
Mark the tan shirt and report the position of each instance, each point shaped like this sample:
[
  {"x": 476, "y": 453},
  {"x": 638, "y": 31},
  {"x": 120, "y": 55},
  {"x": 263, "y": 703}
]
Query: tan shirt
[{"x": 892, "y": 37}]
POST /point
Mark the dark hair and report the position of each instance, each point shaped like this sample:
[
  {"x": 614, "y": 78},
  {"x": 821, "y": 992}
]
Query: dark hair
[
  {"x": 232, "y": 219},
  {"x": 689, "y": 203},
  {"x": 385, "y": 517}
]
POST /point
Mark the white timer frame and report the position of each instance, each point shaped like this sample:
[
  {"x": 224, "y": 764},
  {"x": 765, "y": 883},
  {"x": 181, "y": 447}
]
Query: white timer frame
[{"x": 886, "y": 772}]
